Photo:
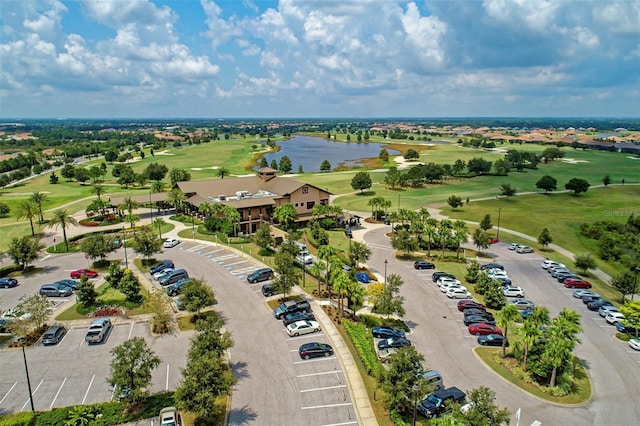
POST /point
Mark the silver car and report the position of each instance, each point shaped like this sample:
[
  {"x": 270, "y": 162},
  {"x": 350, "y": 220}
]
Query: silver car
[{"x": 522, "y": 304}]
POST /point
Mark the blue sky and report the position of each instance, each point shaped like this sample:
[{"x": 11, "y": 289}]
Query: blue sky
[{"x": 319, "y": 58}]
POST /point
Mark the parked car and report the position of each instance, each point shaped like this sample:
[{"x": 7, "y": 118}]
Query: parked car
[
  {"x": 524, "y": 249},
  {"x": 614, "y": 317},
  {"x": 55, "y": 290},
  {"x": 605, "y": 309},
  {"x": 440, "y": 401},
  {"x": 302, "y": 327},
  {"x": 169, "y": 417},
  {"x": 423, "y": 264},
  {"x": 447, "y": 280},
  {"x": 173, "y": 277},
  {"x": 170, "y": 242},
  {"x": 160, "y": 266},
  {"x": 362, "y": 277},
  {"x": 72, "y": 284},
  {"x": 458, "y": 293},
  {"x": 492, "y": 340},
  {"x": 297, "y": 316},
  {"x": 503, "y": 281},
  {"x": 627, "y": 329},
  {"x": 384, "y": 332},
  {"x": 394, "y": 342},
  {"x": 98, "y": 330},
  {"x": 262, "y": 274},
  {"x": 53, "y": 335},
  {"x": 175, "y": 288},
  {"x": 450, "y": 285},
  {"x": 80, "y": 272},
  {"x": 522, "y": 303},
  {"x": 289, "y": 307},
  {"x": 564, "y": 275},
  {"x": 597, "y": 304},
  {"x": 315, "y": 350},
  {"x": 466, "y": 304},
  {"x": 491, "y": 266},
  {"x": 8, "y": 282},
  {"x": 587, "y": 299},
  {"x": 579, "y": 294},
  {"x": 15, "y": 314},
  {"x": 635, "y": 343},
  {"x": 268, "y": 290},
  {"x": 549, "y": 263},
  {"x": 482, "y": 329},
  {"x": 437, "y": 275},
  {"x": 576, "y": 283},
  {"x": 385, "y": 353},
  {"x": 525, "y": 313},
  {"x": 477, "y": 311},
  {"x": 560, "y": 271},
  {"x": 473, "y": 319},
  {"x": 512, "y": 246},
  {"x": 513, "y": 291},
  {"x": 162, "y": 273},
  {"x": 304, "y": 258},
  {"x": 551, "y": 269}
]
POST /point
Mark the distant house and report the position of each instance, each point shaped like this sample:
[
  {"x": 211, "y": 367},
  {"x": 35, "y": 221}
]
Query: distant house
[
  {"x": 255, "y": 197},
  {"x": 629, "y": 147}
]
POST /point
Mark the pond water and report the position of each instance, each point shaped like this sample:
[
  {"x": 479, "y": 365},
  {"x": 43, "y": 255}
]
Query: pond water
[{"x": 311, "y": 152}]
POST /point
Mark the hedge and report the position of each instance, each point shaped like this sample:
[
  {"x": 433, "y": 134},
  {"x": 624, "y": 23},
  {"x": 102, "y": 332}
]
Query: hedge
[{"x": 363, "y": 341}]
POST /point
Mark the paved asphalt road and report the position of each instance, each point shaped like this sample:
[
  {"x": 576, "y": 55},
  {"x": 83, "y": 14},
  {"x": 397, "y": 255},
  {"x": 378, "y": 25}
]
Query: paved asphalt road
[{"x": 438, "y": 332}]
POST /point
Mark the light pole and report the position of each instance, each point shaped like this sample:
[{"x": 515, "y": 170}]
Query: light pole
[
  {"x": 22, "y": 342},
  {"x": 193, "y": 229},
  {"x": 498, "y": 233},
  {"x": 385, "y": 274},
  {"x": 416, "y": 389},
  {"x": 124, "y": 244},
  {"x": 150, "y": 207}
]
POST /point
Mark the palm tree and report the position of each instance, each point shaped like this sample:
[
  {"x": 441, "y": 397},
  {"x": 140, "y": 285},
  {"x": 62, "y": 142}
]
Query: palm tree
[
  {"x": 460, "y": 235},
  {"x": 507, "y": 315},
  {"x": 285, "y": 214},
  {"x": 37, "y": 198},
  {"x": 233, "y": 215},
  {"x": 356, "y": 293},
  {"x": 430, "y": 226},
  {"x": 341, "y": 282},
  {"x": 556, "y": 352},
  {"x": 129, "y": 204},
  {"x": 529, "y": 333},
  {"x": 206, "y": 209},
  {"x": 325, "y": 253},
  {"x": 444, "y": 233},
  {"x": 27, "y": 210},
  {"x": 316, "y": 270},
  {"x": 176, "y": 197},
  {"x": 63, "y": 219},
  {"x": 157, "y": 186},
  {"x": 99, "y": 191},
  {"x": 222, "y": 172},
  {"x": 158, "y": 222}
]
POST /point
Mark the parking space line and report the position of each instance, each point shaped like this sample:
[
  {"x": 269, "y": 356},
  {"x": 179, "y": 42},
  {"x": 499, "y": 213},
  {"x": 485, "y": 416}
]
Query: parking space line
[
  {"x": 327, "y": 406},
  {"x": 319, "y": 374},
  {"x": 166, "y": 385},
  {"x": 87, "y": 392},
  {"x": 321, "y": 389},
  {"x": 8, "y": 392},
  {"x": 305, "y": 336},
  {"x": 57, "y": 393},
  {"x": 211, "y": 252},
  {"x": 342, "y": 424},
  {"x": 331, "y": 358},
  {"x": 237, "y": 263},
  {"x": 32, "y": 393}
]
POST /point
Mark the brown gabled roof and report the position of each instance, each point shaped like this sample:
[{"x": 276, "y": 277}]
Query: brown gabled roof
[{"x": 140, "y": 198}]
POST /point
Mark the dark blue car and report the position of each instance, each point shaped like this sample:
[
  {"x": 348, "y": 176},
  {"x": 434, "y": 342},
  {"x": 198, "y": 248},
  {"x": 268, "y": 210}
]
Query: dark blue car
[
  {"x": 384, "y": 332},
  {"x": 362, "y": 277},
  {"x": 7, "y": 282}
]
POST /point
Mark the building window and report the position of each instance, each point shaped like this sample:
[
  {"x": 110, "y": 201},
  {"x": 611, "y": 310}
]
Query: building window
[
  {"x": 310, "y": 204},
  {"x": 305, "y": 189}
]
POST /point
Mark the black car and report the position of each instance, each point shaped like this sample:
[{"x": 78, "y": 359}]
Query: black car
[
  {"x": 477, "y": 311},
  {"x": 7, "y": 282},
  {"x": 597, "y": 304},
  {"x": 474, "y": 319},
  {"x": 175, "y": 288},
  {"x": 423, "y": 264},
  {"x": 440, "y": 401},
  {"x": 315, "y": 350},
  {"x": 384, "y": 332},
  {"x": 268, "y": 290},
  {"x": 437, "y": 275},
  {"x": 626, "y": 329},
  {"x": 297, "y": 316},
  {"x": 262, "y": 274},
  {"x": 564, "y": 275},
  {"x": 491, "y": 266},
  {"x": 165, "y": 264},
  {"x": 53, "y": 335},
  {"x": 492, "y": 340},
  {"x": 587, "y": 299},
  {"x": 394, "y": 342}
]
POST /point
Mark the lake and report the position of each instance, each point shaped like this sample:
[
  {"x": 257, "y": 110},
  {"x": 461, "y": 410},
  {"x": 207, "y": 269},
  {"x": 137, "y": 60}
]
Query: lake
[{"x": 311, "y": 152}]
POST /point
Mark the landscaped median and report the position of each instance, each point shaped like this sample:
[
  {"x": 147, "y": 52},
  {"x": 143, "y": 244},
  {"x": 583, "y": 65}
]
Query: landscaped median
[{"x": 509, "y": 369}]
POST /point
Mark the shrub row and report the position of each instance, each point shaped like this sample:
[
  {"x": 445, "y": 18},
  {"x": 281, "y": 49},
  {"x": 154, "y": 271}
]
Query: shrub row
[
  {"x": 363, "y": 342},
  {"x": 376, "y": 321}
]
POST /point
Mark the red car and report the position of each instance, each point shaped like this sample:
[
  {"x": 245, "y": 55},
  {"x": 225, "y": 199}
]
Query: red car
[
  {"x": 482, "y": 329},
  {"x": 80, "y": 272},
  {"x": 467, "y": 303},
  {"x": 576, "y": 283}
]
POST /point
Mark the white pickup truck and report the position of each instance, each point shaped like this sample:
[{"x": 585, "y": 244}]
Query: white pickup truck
[
  {"x": 98, "y": 330},
  {"x": 305, "y": 258}
]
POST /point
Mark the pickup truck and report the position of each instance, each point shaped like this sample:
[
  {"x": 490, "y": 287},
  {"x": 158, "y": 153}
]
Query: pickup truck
[
  {"x": 436, "y": 403},
  {"x": 290, "y": 307},
  {"x": 98, "y": 331},
  {"x": 304, "y": 258}
]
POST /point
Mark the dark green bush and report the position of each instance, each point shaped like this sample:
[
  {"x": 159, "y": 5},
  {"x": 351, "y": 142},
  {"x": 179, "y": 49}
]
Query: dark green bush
[
  {"x": 365, "y": 346},
  {"x": 19, "y": 419}
]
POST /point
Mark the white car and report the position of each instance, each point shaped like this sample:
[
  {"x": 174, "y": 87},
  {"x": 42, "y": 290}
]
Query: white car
[
  {"x": 448, "y": 280},
  {"x": 458, "y": 293},
  {"x": 513, "y": 246},
  {"x": 524, "y": 249},
  {"x": 161, "y": 274},
  {"x": 302, "y": 327},
  {"x": 15, "y": 314},
  {"x": 513, "y": 291},
  {"x": 499, "y": 276},
  {"x": 614, "y": 317},
  {"x": 169, "y": 417},
  {"x": 635, "y": 343},
  {"x": 604, "y": 310},
  {"x": 452, "y": 286},
  {"x": 170, "y": 242},
  {"x": 549, "y": 263}
]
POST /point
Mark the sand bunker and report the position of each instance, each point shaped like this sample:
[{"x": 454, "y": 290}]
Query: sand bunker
[
  {"x": 572, "y": 161},
  {"x": 205, "y": 168}
]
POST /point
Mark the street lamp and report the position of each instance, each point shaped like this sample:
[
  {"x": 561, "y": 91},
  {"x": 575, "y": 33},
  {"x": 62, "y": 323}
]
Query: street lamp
[
  {"x": 22, "y": 342},
  {"x": 416, "y": 389},
  {"x": 124, "y": 244},
  {"x": 150, "y": 207},
  {"x": 193, "y": 229},
  {"x": 385, "y": 274},
  {"x": 498, "y": 233}
]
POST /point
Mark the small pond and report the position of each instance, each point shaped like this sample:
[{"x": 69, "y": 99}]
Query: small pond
[{"x": 311, "y": 152}]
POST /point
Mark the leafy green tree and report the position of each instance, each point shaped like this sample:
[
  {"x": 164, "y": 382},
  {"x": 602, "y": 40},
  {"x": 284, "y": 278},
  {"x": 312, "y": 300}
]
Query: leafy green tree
[
  {"x": 606, "y": 180},
  {"x": 196, "y": 295},
  {"x": 481, "y": 239},
  {"x": 130, "y": 286},
  {"x": 147, "y": 244},
  {"x": 24, "y": 250},
  {"x": 27, "y": 210},
  {"x": 287, "y": 274},
  {"x": 210, "y": 338},
  {"x": 460, "y": 235},
  {"x": 389, "y": 301},
  {"x": 358, "y": 253},
  {"x": 624, "y": 282},
  {"x": 577, "y": 185},
  {"x": 494, "y": 296},
  {"x": 81, "y": 175},
  {"x": 411, "y": 154},
  {"x": 561, "y": 340},
  {"x": 53, "y": 178},
  {"x": 486, "y": 224},
  {"x": 483, "y": 410},
  {"x": 392, "y": 179},
  {"x": 286, "y": 215},
  {"x": 158, "y": 223},
  {"x": 131, "y": 366},
  {"x": 38, "y": 199},
  {"x": 383, "y": 155},
  {"x": 178, "y": 175},
  {"x": 544, "y": 239},
  {"x": 177, "y": 199},
  {"x": 502, "y": 167},
  {"x": 325, "y": 166},
  {"x": 631, "y": 312},
  {"x": 584, "y": 262},
  {"x": 97, "y": 246},
  {"x": 340, "y": 282},
  {"x": 86, "y": 293},
  {"x": 479, "y": 166},
  {"x": 285, "y": 164},
  {"x": 507, "y": 190},
  {"x": 38, "y": 306},
  {"x": 114, "y": 275},
  {"x": 155, "y": 171},
  {"x": 263, "y": 163},
  {"x": 127, "y": 177},
  {"x": 473, "y": 272},
  {"x": 157, "y": 186},
  {"x": 482, "y": 284},
  {"x": 263, "y": 237},
  {"x": 454, "y": 201},
  {"x": 4, "y": 210},
  {"x": 158, "y": 305},
  {"x": 95, "y": 172},
  {"x": 551, "y": 153},
  {"x": 405, "y": 242},
  {"x": 507, "y": 315},
  {"x": 406, "y": 368},
  {"x": 547, "y": 183},
  {"x": 68, "y": 172},
  {"x": 361, "y": 181}
]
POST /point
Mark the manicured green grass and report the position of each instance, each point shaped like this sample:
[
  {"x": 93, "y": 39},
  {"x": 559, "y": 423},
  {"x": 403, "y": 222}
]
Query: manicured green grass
[
  {"x": 188, "y": 322},
  {"x": 581, "y": 388},
  {"x": 106, "y": 296}
]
